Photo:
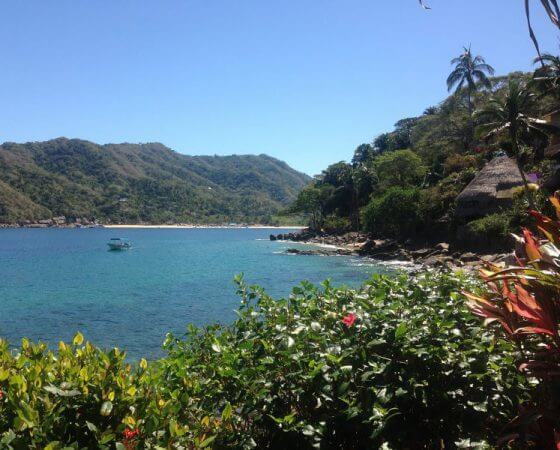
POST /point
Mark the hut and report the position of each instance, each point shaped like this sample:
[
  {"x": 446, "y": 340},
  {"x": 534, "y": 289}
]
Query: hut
[{"x": 491, "y": 190}]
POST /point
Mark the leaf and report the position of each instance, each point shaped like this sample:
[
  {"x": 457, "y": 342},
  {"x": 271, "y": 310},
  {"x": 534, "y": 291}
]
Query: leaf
[
  {"x": 216, "y": 348},
  {"x": 290, "y": 342},
  {"x": 401, "y": 330},
  {"x": 226, "y": 413},
  {"x": 206, "y": 442},
  {"x": 106, "y": 408},
  {"x": 78, "y": 339},
  {"x": 61, "y": 392}
]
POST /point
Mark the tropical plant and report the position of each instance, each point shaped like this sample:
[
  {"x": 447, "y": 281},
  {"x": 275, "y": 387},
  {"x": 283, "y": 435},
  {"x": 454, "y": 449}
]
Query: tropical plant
[
  {"x": 471, "y": 72},
  {"x": 394, "y": 214},
  {"x": 510, "y": 115},
  {"x": 399, "y": 168},
  {"x": 325, "y": 368},
  {"x": 524, "y": 301},
  {"x": 547, "y": 77},
  {"x": 313, "y": 200}
]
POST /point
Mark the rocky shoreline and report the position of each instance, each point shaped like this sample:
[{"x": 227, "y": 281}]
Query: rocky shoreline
[
  {"x": 441, "y": 255},
  {"x": 54, "y": 222}
]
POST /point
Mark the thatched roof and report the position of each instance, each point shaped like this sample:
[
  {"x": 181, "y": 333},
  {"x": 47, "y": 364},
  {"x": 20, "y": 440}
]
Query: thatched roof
[{"x": 490, "y": 190}]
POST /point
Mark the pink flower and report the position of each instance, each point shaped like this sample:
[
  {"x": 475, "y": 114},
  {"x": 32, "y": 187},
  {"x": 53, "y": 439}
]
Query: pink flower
[{"x": 349, "y": 320}]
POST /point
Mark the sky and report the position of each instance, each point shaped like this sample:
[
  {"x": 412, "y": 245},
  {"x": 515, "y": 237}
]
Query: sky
[{"x": 305, "y": 81}]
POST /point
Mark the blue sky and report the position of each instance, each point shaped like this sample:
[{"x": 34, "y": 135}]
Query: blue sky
[{"x": 305, "y": 81}]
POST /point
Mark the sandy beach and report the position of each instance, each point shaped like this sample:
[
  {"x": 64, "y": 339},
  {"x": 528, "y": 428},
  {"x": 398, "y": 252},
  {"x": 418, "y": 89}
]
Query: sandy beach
[{"x": 179, "y": 226}]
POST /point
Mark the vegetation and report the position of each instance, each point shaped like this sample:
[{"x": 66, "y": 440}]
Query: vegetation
[
  {"x": 325, "y": 368},
  {"x": 140, "y": 183},
  {"x": 404, "y": 184},
  {"x": 523, "y": 302}
]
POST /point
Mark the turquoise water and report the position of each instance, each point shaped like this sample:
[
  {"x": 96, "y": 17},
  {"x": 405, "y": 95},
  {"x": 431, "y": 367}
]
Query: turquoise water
[{"x": 54, "y": 282}]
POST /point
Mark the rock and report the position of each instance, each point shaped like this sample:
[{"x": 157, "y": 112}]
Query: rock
[
  {"x": 421, "y": 253},
  {"x": 367, "y": 247},
  {"x": 469, "y": 257},
  {"x": 272, "y": 237},
  {"x": 443, "y": 246}
]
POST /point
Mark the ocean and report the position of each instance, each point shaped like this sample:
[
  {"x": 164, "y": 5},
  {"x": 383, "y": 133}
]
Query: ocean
[{"x": 55, "y": 282}]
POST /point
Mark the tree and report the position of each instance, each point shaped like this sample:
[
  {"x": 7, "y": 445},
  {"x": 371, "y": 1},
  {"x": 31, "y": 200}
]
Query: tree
[
  {"x": 400, "y": 168},
  {"x": 547, "y": 77},
  {"x": 362, "y": 154},
  {"x": 313, "y": 200},
  {"x": 471, "y": 72},
  {"x": 510, "y": 115}
]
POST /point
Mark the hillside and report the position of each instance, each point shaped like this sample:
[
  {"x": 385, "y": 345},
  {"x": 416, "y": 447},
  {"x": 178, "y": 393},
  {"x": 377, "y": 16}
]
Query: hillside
[{"x": 132, "y": 183}]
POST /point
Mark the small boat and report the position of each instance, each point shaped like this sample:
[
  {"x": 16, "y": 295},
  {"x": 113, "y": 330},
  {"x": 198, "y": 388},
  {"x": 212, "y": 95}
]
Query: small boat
[{"x": 119, "y": 244}]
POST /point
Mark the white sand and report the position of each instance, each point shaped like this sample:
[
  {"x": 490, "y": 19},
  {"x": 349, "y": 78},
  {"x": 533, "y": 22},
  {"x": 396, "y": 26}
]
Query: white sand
[{"x": 179, "y": 226}]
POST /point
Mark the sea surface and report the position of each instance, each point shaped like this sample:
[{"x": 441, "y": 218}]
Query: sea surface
[{"x": 54, "y": 282}]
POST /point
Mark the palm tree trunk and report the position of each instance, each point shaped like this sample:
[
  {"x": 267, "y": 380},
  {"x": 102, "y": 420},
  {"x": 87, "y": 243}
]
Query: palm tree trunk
[
  {"x": 471, "y": 124},
  {"x": 528, "y": 192}
]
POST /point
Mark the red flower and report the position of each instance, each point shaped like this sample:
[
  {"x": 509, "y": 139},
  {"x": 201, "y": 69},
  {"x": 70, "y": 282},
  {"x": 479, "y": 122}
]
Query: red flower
[
  {"x": 130, "y": 434},
  {"x": 349, "y": 320},
  {"x": 1, "y": 395},
  {"x": 129, "y": 437}
]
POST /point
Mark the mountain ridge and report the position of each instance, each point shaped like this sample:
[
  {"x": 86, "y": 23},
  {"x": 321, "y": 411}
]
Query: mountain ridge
[{"x": 140, "y": 183}]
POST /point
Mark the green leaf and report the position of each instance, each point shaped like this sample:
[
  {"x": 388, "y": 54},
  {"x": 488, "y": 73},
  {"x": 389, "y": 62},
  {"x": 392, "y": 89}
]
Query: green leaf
[{"x": 106, "y": 408}]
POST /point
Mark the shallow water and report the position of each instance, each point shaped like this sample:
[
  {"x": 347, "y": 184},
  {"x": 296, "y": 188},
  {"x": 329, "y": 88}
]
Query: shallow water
[{"x": 54, "y": 282}]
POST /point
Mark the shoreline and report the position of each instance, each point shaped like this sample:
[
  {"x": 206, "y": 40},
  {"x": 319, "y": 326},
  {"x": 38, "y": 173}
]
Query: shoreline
[
  {"x": 192, "y": 226},
  {"x": 385, "y": 251}
]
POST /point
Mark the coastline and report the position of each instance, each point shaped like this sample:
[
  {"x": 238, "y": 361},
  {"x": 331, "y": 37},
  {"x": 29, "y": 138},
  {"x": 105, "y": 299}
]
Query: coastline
[
  {"x": 190, "y": 226},
  {"x": 440, "y": 255}
]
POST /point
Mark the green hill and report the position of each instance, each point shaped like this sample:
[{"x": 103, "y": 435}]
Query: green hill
[{"x": 132, "y": 183}]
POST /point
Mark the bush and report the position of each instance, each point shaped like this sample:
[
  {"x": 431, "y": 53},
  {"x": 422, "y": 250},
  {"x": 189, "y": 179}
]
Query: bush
[
  {"x": 393, "y": 214},
  {"x": 398, "y": 363},
  {"x": 522, "y": 303},
  {"x": 335, "y": 224},
  {"x": 399, "y": 168},
  {"x": 457, "y": 163},
  {"x": 492, "y": 227}
]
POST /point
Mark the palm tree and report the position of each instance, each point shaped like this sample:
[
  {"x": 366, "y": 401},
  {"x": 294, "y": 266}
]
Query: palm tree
[
  {"x": 510, "y": 115},
  {"x": 547, "y": 77},
  {"x": 471, "y": 72}
]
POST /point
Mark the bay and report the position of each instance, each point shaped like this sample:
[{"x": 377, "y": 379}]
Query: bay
[{"x": 55, "y": 282}]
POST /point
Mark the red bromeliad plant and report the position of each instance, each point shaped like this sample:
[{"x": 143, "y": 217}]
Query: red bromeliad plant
[{"x": 525, "y": 301}]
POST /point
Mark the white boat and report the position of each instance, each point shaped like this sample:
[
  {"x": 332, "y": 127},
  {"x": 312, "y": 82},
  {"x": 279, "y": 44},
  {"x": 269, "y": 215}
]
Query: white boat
[{"x": 119, "y": 244}]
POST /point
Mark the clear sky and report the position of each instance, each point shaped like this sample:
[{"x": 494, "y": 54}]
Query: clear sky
[{"x": 305, "y": 81}]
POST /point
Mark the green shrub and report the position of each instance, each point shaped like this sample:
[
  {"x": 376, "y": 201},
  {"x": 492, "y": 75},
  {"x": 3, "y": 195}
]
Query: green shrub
[
  {"x": 398, "y": 363},
  {"x": 493, "y": 226},
  {"x": 335, "y": 224},
  {"x": 394, "y": 214}
]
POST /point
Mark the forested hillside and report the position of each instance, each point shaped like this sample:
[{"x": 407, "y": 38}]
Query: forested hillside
[
  {"x": 404, "y": 184},
  {"x": 133, "y": 183}
]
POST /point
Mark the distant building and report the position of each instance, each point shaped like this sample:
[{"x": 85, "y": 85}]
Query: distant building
[
  {"x": 491, "y": 190},
  {"x": 553, "y": 149}
]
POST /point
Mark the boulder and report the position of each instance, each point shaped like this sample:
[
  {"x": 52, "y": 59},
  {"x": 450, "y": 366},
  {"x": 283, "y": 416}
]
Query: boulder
[{"x": 442, "y": 246}]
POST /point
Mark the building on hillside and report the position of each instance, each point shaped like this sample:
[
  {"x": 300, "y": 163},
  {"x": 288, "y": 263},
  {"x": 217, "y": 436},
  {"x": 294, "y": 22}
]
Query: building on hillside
[{"x": 491, "y": 190}]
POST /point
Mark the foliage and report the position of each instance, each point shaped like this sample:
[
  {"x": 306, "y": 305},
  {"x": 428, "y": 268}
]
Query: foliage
[
  {"x": 325, "y": 368},
  {"x": 523, "y": 301},
  {"x": 470, "y": 71},
  {"x": 493, "y": 226},
  {"x": 400, "y": 168},
  {"x": 394, "y": 214},
  {"x": 313, "y": 200},
  {"x": 140, "y": 183}
]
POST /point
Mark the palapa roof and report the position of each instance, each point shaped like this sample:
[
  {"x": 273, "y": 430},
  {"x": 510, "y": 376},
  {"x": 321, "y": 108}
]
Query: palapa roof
[{"x": 491, "y": 189}]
